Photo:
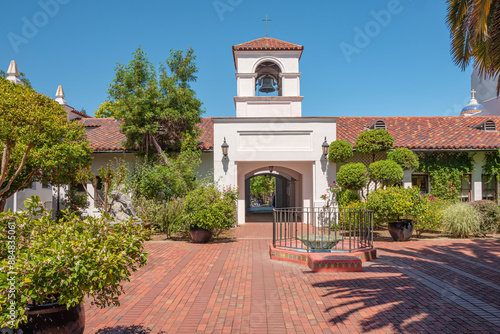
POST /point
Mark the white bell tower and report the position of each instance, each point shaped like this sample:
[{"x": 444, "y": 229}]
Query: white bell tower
[{"x": 268, "y": 78}]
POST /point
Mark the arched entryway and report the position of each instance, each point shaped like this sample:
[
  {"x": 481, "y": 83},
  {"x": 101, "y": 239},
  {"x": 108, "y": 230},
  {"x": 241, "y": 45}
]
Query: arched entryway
[{"x": 271, "y": 187}]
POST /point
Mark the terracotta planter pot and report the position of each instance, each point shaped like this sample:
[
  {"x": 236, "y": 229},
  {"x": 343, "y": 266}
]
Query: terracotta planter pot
[
  {"x": 54, "y": 318},
  {"x": 200, "y": 235},
  {"x": 401, "y": 230}
]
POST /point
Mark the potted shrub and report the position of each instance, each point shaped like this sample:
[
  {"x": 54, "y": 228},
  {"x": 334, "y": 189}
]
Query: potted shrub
[
  {"x": 209, "y": 211},
  {"x": 48, "y": 267},
  {"x": 397, "y": 207}
]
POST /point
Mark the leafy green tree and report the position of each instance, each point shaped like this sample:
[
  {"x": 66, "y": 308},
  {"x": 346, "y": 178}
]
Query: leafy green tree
[
  {"x": 106, "y": 110},
  {"x": 153, "y": 181},
  {"x": 475, "y": 35},
  {"x": 374, "y": 141},
  {"x": 339, "y": 151},
  {"x": 157, "y": 110},
  {"x": 385, "y": 172},
  {"x": 22, "y": 77},
  {"x": 37, "y": 142},
  {"x": 404, "y": 157},
  {"x": 262, "y": 187}
]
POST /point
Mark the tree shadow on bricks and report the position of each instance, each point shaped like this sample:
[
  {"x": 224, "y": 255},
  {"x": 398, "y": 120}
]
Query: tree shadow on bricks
[
  {"x": 388, "y": 300},
  {"x": 134, "y": 329}
]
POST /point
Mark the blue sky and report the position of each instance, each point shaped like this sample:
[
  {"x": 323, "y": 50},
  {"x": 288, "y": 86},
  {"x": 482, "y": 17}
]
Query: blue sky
[{"x": 357, "y": 61}]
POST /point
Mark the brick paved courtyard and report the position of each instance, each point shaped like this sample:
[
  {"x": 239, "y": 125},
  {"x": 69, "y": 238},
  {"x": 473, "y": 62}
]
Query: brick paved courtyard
[{"x": 425, "y": 286}]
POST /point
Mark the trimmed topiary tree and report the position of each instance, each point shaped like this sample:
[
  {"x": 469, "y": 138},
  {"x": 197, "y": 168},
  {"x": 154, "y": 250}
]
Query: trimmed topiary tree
[
  {"x": 340, "y": 151},
  {"x": 404, "y": 157},
  {"x": 352, "y": 176},
  {"x": 385, "y": 172},
  {"x": 374, "y": 141}
]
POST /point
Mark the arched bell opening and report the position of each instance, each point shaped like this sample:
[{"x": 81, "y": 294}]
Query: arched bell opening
[{"x": 268, "y": 81}]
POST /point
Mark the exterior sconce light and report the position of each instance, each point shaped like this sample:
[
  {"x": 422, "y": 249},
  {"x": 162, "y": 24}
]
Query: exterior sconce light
[
  {"x": 225, "y": 148},
  {"x": 271, "y": 169},
  {"x": 325, "y": 148}
]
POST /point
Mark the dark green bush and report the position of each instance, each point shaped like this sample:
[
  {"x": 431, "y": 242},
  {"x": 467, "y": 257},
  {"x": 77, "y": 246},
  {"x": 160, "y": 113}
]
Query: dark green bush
[
  {"x": 385, "y": 172},
  {"x": 404, "y": 157},
  {"x": 490, "y": 216},
  {"x": 340, "y": 151},
  {"x": 374, "y": 141},
  {"x": 352, "y": 176},
  {"x": 166, "y": 216}
]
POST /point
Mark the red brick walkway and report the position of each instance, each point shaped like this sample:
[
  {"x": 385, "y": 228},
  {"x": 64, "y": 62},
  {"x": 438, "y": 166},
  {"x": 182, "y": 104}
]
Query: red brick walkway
[{"x": 437, "y": 286}]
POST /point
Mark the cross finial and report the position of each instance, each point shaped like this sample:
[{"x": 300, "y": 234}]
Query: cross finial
[
  {"x": 266, "y": 20},
  {"x": 473, "y": 93}
]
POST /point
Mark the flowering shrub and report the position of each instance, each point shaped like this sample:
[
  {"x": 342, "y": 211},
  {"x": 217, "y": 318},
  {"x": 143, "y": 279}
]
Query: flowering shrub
[
  {"x": 352, "y": 214},
  {"x": 394, "y": 203},
  {"x": 211, "y": 209},
  {"x": 429, "y": 216},
  {"x": 346, "y": 197},
  {"x": 331, "y": 195},
  {"x": 65, "y": 261}
]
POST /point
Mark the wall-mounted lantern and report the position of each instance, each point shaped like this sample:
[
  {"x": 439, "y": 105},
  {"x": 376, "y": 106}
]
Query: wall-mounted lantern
[
  {"x": 325, "y": 148},
  {"x": 225, "y": 148}
]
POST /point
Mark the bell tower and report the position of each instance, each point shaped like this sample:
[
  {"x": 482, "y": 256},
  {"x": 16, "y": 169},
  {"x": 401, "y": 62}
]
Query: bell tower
[{"x": 268, "y": 78}]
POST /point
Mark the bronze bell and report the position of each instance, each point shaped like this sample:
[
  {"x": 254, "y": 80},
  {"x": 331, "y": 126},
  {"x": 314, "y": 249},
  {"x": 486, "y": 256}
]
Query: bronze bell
[{"x": 267, "y": 85}]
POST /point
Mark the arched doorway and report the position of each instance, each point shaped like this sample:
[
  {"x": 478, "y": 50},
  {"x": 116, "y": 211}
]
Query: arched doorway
[{"x": 269, "y": 189}]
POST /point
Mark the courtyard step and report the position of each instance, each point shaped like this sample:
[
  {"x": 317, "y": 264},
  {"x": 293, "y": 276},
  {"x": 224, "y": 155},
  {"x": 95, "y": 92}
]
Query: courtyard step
[
  {"x": 333, "y": 263},
  {"x": 325, "y": 262}
]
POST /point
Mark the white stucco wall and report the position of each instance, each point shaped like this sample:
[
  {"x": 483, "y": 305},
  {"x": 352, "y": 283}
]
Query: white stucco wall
[{"x": 289, "y": 144}]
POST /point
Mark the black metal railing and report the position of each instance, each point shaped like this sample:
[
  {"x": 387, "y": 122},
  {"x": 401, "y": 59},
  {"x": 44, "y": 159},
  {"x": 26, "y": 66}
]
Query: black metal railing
[{"x": 323, "y": 229}]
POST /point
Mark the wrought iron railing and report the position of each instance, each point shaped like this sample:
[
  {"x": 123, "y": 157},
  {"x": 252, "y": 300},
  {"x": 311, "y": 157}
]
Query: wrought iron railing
[{"x": 323, "y": 229}]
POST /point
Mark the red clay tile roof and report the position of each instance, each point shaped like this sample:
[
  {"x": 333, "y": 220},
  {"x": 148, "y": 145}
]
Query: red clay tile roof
[
  {"x": 73, "y": 110},
  {"x": 450, "y": 132},
  {"x": 104, "y": 134},
  {"x": 267, "y": 43},
  {"x": 206, "y": 138}
]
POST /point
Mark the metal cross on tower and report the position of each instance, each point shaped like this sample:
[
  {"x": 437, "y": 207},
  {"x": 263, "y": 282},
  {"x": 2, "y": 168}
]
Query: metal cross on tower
[
  {"x": 473, "y": 93},
  {"x": 266, "y": 20}
]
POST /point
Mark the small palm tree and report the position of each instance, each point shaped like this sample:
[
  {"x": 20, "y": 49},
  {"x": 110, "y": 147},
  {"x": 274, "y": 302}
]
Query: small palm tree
[{"x": 475, "y": 32}]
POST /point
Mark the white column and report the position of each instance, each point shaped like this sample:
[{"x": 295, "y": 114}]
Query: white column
[
  {"x": 407, "y": 179},
  {"x": 239, "y": 180},
  {"x": 476, "y": 181}
]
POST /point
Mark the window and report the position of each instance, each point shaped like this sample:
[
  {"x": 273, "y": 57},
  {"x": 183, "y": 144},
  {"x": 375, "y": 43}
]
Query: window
[
  {"x": 380, "y": 124},
  {"x": 465, "y": 188},
  {"x": 489, "y": 187},
  {"x": 45, "y": 186},
  {"x": 421, "y": 181},
  {"x": 488, "y": 125}
]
